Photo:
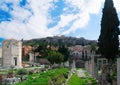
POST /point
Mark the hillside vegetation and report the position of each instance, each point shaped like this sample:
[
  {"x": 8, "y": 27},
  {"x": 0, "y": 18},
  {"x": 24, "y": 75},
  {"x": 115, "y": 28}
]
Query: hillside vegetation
[{"x": 60, "y": 41}]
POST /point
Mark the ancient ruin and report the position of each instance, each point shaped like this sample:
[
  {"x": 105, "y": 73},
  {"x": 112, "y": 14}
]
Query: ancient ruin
[{"x": 11, "y": 53}]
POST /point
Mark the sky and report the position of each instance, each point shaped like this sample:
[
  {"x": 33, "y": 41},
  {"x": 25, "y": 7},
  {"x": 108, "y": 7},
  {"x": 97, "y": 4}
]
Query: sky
[{"x": 28, "y": 19}]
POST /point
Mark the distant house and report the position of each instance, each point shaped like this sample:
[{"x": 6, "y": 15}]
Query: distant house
[
  {"x": 76, "y": 51},
  {"x": 87, "y": 52},
  {"x": 80, "y": 52}
]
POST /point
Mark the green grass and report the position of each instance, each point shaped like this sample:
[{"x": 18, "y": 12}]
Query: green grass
[
  {"x": 76, "y": 80},
  {"x": 45, "y": 78}
]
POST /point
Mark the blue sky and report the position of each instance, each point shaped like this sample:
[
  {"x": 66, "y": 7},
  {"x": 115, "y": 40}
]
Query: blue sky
[{"x": 30, "y": 19}]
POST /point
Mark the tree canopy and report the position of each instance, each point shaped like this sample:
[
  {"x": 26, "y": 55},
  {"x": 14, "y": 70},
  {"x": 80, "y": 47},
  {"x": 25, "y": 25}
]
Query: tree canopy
[{"x": 55, "y": 57}]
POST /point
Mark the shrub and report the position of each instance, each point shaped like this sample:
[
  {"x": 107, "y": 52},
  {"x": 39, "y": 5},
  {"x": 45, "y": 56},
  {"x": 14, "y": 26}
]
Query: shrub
[{"x": 22, "y": 72}]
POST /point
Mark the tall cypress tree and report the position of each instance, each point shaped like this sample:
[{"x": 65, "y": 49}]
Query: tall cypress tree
[
  {"x": 64, "y": 51},
  {"x": 108, "y": 41}
]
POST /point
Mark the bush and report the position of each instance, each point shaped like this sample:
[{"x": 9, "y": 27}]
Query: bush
[{"x": 22, "y": 72}]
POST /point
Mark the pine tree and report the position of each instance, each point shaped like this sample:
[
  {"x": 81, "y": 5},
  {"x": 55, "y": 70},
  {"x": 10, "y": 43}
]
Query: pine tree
[{"x": 108, "y": 41}]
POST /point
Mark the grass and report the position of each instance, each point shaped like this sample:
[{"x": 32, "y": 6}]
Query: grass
[
  {"x": 56, "y": 76},
  {"x": 76, "y": 80},
  {"x": 4, "y": 71},
  {"x": 46, "y": 78}
]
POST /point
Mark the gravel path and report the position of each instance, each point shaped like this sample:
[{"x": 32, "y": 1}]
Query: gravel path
[{"x": 81, "y": 73}]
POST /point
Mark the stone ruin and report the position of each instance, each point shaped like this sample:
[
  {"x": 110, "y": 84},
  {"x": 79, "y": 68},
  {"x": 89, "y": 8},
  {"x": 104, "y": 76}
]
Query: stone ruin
[
  {"x": 11, "y": 53},
  {"x": 10, "y": 81},
  {"x": 108, "y": 75}
]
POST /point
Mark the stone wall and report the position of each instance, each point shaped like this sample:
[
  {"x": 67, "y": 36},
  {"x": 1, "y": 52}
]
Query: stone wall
[
  {"x": 118, "y": 71},
  {"x": 108, "y": 75},
  {"x": 10, "y": 81}
]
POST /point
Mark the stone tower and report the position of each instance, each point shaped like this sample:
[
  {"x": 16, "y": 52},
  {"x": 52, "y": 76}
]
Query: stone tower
[{"x": 11, "y": 53}]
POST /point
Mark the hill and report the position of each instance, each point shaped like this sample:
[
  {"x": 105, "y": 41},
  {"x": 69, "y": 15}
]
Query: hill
[{"x": 60, "y": 40}]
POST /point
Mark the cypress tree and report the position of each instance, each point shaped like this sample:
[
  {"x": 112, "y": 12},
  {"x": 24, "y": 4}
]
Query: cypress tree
[
  {"x": 108, "y": 41},
  {"x": 64, "y": 51}
]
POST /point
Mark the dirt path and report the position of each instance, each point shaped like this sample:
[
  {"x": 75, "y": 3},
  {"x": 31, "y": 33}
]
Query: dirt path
[{"x": 81, "y": 73}]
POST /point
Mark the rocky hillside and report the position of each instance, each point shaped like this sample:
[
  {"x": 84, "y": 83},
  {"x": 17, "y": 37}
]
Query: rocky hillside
[{"x": 56, "y": 40}]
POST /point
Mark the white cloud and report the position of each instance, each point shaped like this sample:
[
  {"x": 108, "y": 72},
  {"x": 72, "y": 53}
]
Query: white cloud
[
  {"x": 117, "y": 5},
  {"x": 31, "y": 20},
  {"x": 86, "y": 7},
  {"x": 36, "y": 25}
]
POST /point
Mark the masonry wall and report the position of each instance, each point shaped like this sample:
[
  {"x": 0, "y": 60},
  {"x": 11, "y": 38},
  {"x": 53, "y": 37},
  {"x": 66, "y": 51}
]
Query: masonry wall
[{"x": 11, "y": 53}]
